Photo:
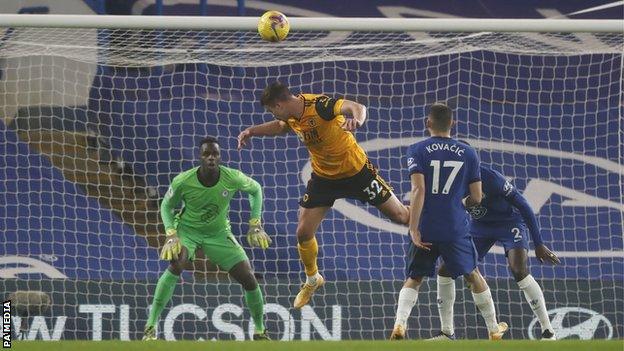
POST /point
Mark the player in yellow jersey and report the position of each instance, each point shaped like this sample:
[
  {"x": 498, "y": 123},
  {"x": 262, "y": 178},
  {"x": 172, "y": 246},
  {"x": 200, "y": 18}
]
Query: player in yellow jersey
[{"x": 340, "y": 166}]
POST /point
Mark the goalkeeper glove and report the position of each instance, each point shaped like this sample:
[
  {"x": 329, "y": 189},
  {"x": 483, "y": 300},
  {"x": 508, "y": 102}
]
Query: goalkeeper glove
[
  {"x": 172, "y": 247},
  {"x": 256, "y": 236}
]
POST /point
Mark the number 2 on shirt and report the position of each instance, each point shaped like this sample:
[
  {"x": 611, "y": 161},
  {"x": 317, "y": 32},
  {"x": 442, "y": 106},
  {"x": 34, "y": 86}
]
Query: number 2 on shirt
[
  {"x": 435, "y": 184},
  {"x": 517, "y": 234}
]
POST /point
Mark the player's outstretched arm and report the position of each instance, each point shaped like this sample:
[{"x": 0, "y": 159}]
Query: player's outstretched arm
[
  {"x": 417, "y": 201},
  {"x": 271, "y": 128},
  {"x": 356, "y": 111},
  {"x": 542, "y": 252},
  {"x": 256, "y": 236}
]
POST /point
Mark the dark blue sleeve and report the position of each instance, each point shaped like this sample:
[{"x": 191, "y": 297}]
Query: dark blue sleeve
[
  {"x": 498, "y": 184},
  {"x": 474, "y": 168},
  {"x": 414, "y": 163},
  {"x": 513, "y": 196}
]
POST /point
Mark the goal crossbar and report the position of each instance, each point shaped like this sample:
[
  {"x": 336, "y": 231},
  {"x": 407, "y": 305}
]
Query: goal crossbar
[{"x": 316, "y": 23}]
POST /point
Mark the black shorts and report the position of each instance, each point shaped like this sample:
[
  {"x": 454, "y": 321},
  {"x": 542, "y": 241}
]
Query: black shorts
[{"x": 366, "y": 186}]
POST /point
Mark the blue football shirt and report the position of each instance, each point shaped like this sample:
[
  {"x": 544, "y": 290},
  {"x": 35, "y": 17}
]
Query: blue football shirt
[
  {"x": 449, "y": 167},
  {"x": 502, "y": 204}
]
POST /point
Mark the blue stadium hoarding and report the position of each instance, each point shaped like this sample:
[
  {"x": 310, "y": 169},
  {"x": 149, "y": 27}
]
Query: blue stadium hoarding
[
  {"x": 385, "y": 8},
  {"x": 104, "y": 310}
]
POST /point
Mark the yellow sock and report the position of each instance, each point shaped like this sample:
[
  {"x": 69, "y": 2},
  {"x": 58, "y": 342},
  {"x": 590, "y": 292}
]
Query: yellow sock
[{"x": 308, "y": 251}]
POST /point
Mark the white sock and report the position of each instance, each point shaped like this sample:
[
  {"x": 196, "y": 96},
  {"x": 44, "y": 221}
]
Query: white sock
[
  {"x": 485, "y": 304},
  {"x": 311, "y": 279},
  {"x": 446, "y": 301},
  {"x": 535, "y": 297},
  {"x": 407, "y": 300}
]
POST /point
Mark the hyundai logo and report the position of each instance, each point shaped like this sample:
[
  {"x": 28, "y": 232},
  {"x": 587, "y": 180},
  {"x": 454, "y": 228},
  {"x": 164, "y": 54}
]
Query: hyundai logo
[{"x": 576, "y": 323}]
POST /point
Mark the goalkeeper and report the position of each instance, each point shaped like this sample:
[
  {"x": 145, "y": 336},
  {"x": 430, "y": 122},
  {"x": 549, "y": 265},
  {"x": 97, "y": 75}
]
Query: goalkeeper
[{"x": 203, "y": 223}]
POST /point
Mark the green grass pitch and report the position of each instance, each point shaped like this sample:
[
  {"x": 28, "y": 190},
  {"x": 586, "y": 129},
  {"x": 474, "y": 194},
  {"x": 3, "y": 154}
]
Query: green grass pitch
[{"x": 414, "y": 345}]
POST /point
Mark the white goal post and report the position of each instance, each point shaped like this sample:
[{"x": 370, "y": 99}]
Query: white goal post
[
  {"x": 317, "y": 23},
  {"x": 99, "y": 113}
]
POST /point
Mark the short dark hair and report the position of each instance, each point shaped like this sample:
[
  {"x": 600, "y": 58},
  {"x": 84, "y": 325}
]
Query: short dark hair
[
  {"x": 274, "y": 93},
  {"x": 441, "y": 116},
  {"x": 208, "y": 140}
]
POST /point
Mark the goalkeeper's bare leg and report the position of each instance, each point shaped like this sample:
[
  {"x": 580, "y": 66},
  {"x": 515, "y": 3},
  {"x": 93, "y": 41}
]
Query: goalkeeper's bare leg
[
  {"x": 164, "y": 291},
  {"x": 243, "y": 273},
  {"x": 309, "y": 221}
]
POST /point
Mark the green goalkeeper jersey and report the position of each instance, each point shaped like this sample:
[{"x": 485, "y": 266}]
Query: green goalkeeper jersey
[{"x": 205, "y": 209}]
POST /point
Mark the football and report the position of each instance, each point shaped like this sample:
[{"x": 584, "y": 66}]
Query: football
[{"x": 273, "y": 26}]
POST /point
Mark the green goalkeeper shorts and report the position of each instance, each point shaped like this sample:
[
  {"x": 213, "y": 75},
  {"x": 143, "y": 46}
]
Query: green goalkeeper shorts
[{"x": 222, "y": 249}]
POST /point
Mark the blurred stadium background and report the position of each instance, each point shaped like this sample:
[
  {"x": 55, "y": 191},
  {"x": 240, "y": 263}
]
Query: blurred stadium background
[{"x": 87, "y": 150}]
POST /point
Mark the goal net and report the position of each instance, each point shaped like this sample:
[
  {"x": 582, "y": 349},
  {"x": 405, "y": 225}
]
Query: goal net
[{"x": 96, "y": 123}]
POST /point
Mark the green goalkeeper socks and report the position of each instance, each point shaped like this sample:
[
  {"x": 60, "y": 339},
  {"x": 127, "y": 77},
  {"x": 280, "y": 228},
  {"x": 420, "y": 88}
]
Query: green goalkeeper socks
[
  {"x": 166, "y": 285},
  {"x": 255, "y": 303},
  {"x": 164, "y": 291}
]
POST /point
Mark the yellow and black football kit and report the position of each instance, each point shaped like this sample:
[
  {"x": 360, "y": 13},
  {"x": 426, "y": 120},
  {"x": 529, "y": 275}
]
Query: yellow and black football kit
[{"x": 340, "y": 166}]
